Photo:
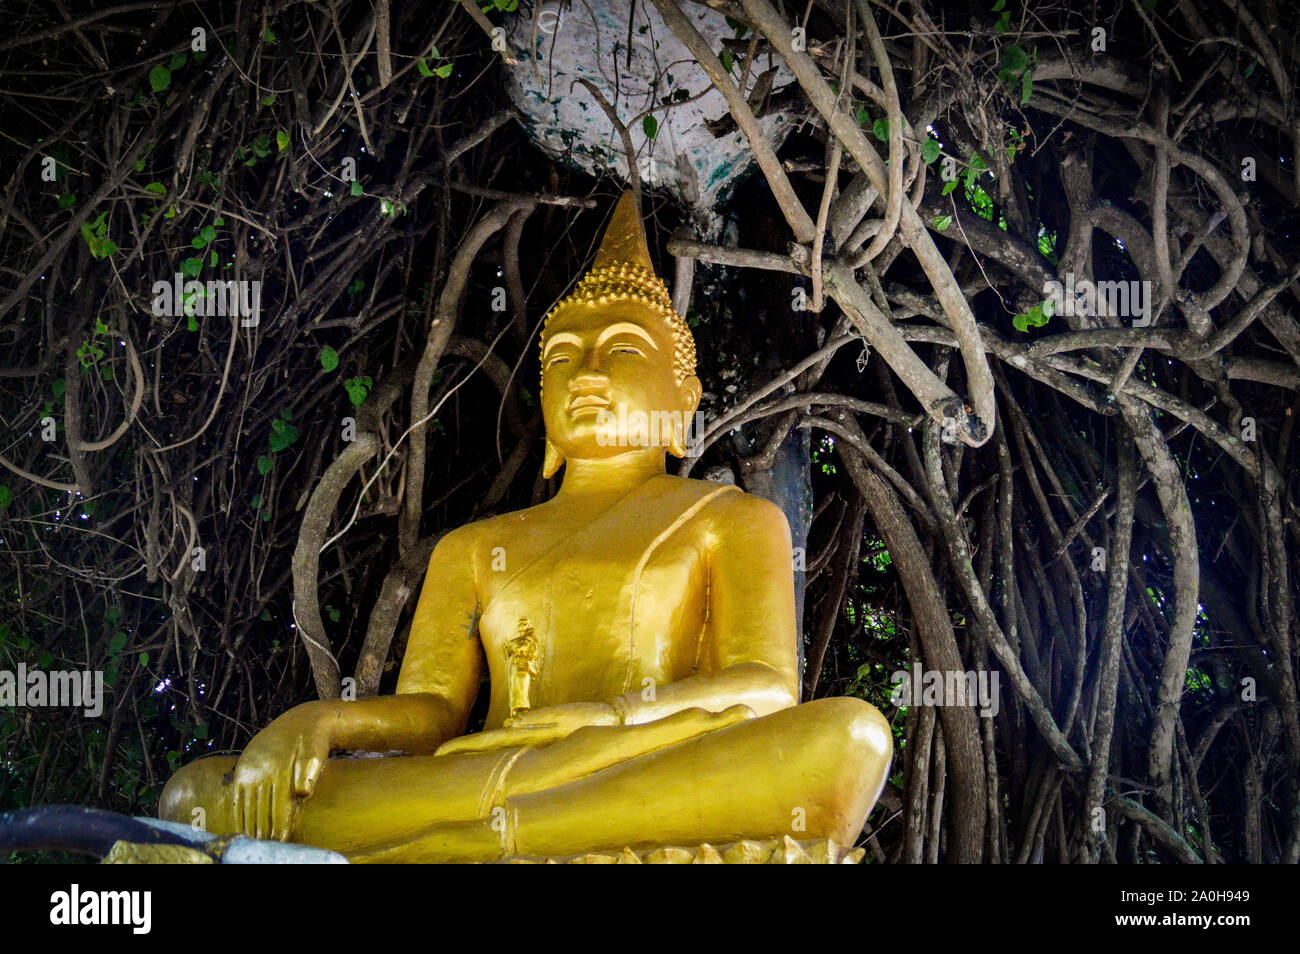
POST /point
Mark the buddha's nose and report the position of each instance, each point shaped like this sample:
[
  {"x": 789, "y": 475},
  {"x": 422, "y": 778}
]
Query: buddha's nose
[{"x": 589, "y": 373}]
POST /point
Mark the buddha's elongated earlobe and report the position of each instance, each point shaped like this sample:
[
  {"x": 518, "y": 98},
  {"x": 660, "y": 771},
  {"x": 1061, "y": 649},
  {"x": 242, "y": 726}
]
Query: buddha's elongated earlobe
[
  {"x": 691, "y": 391},
  {"x": 553, "y": 461}
]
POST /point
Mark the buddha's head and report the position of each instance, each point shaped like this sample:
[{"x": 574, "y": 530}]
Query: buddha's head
[{"x": 618, "y": 363}]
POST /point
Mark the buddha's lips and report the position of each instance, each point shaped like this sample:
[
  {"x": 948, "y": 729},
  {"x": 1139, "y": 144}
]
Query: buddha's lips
[{"x": 583, "y": 402}]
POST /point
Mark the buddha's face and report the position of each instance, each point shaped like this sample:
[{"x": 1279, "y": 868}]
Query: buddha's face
[{"x": 607, "y": 381}]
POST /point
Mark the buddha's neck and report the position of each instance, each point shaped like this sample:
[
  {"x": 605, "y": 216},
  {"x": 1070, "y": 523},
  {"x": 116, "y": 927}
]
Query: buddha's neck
[{"x": 614, "y": 476}]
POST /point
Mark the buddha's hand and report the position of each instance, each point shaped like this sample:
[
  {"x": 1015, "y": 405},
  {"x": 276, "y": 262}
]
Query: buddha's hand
[
  {"x": 536, "y": 728},
  {"x": 278, "y": 770}
]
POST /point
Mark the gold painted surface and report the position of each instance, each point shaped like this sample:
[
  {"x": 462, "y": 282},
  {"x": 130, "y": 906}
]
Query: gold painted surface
[
  {"x": 785, "y": 851},
  {"x": 639, "y": 635},
  {"x": 131, "y": 853}
]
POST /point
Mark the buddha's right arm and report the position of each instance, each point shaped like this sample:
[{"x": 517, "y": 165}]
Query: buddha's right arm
[
  {"x": 413, "y": 722},
  {"x": 441, "y": 667}
]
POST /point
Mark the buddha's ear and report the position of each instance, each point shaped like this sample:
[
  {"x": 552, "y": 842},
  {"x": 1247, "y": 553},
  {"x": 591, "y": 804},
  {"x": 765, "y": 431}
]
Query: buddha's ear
[
  {"x": 690, "y": 391},
  {"x": 553, "y": 460}
]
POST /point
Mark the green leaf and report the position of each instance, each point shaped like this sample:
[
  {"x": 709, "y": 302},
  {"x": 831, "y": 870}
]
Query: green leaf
[
  {"x": 650, "y": 126},
  {"x": 257, "y": 501},
  {"x": 160, "y": 77},
  {"x": 178, "y": 60},
  {"x": 357, "y": 389},
  {"x": 329, "y": 358},
  {"x": 6, "y": 497},
  {"x": 191, "y": 267},
  {"x": 442, "y": 72},
  {"x": 881, "y": 128},
  {"x": 1026, "y": 87},
  {"x": 941, "y": 222},
  {"x": 423, "y": 66},
  {"x": 118, "y": 642},
  {"x": 157, "y": 188},
  {"x": 45, "y": 659},
  {"x": 283, "y": 434},
  {"x": 59, "y": 387},
  {"x": 198, "y": 241},
  {"x": 356, "y": 188},
  {"x": 192, "y": 323},
  {"x": 144, "y": 659},
  {"x": 1014, "y": 58},
  {"x": 930, "y": 150},
  {"x": 264, "y": 465},
  {"x": 1036, "y": 317},
  {"x": 728, "y": 59},
  {"x": 281, "y": 139},
  {"x": 862, "y": 115},
  {"x": 212, "y": 259},
  {"x": 949, "y": 187},
  {"x": 67, "y": 200},
  {"x": 265, "y": 615},
  {"x": 269, "y": 36},
  {"x": 999, "y": 5},
  {"x": 268, "y": 99}
]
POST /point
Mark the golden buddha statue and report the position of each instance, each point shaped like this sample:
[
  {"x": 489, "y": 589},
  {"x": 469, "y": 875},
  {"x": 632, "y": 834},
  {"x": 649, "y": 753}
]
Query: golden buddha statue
[{"x": 640, "y": 639}]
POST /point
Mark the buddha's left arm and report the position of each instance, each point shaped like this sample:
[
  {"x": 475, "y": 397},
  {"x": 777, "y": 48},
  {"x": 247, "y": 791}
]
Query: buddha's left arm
[{"x": 748, "y": 652}]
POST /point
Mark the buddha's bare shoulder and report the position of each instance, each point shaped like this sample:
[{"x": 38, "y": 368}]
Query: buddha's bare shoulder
[
  {"x": 470, "y": 536},
  {"x": 733, "y": 512}
]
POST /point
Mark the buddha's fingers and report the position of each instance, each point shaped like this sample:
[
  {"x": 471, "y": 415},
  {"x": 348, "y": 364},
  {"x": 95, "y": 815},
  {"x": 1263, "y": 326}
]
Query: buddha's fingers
[
  {"x": 493, "y": 739},
  {"x": 594, "y": 748},
  {"x": 282, "y": 803},
  {"x": 682, "y": 725},
  {"x": 305, "y": 773},
  {"x": 238, "y": 802},
  {"x": 263, "y": 819}
]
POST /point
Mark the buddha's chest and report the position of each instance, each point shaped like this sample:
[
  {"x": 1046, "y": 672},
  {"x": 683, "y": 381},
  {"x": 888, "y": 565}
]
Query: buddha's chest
[{"x": 604, "y": 618}]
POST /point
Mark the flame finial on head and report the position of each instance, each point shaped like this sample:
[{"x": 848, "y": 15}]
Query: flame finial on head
[{"x": 623, "y": 272}]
